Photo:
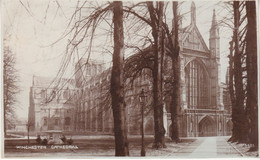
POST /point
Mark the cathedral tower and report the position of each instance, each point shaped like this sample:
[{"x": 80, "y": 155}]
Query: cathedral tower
[
  {"x": 214, "y": 38},
  {"x": 193, "y": 13},
  {"x": 214, "y": 47}
]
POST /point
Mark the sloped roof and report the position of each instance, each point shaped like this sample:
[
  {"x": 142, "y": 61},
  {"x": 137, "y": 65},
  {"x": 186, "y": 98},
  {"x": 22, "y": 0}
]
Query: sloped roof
[
  {"x": 45, "y": 82},
  {"x": 190, "y": 31},
  {"x": 90, "y": 61}
]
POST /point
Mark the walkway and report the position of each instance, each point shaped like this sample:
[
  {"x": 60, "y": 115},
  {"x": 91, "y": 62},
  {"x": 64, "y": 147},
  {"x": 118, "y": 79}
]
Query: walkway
[{"x": 209, "y": 147}]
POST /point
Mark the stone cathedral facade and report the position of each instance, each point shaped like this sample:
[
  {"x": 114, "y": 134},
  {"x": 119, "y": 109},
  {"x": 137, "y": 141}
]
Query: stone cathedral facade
[{"x": 201, "y": 113}]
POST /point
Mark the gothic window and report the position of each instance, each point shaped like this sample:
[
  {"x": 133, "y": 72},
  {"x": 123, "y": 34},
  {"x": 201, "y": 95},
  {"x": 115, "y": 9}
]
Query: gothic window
[
  {"x": 67, "y": 121},
  {"x": 45, "y": 121},
  {"x": 88, "y": 69},
  {"x": 94, "y": 116},
  {"x": 94, "y": 69},
  {"x": 100, "y": 118},
  {"x": 43, "y": 93},
  {"x": 66, "y": 94},
  {"x": 88, "y": 119},
  {"x": 56, "y": 111},
  {"x": 56, "y": 121},
  {"x": 191, "y": 123},
  {"x": 98, "y": 68},
  {"x": 53, "y": 94},
  {"x": 196, "y": 81},
  {"x": 220, "y": 125},
  {"x": 37, "y": 93}
]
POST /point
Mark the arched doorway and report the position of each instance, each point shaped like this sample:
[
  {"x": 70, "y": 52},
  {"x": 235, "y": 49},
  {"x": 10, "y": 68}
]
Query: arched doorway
[{"x": 207, "y": 127}]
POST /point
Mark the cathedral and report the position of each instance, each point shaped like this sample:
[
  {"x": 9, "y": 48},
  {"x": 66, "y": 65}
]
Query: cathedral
[
  {"x": 202, "y": 111},
  {"x": 84, "y": 105}
]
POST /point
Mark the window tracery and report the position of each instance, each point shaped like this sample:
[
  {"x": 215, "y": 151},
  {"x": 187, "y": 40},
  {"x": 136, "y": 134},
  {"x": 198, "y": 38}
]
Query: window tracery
[{"x": 196, "y": 81}]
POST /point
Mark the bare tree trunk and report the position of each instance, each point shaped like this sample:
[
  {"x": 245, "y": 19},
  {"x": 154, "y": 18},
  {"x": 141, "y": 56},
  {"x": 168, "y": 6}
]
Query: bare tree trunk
[
  {"x": 5, "y": 93},
  {"x": 239, "y": 114},
  {"x": 235, "y": 130},
  {"x": 5, "y": 118},
  {"x": 28, "y": 132},
  {"x": 175, "y": 100},
  {"x": 5, "y": 102},
  {"x": 117, "y": 83},
  {"x": 251, "y": 65},
  {"x": 158, "y": 49}
]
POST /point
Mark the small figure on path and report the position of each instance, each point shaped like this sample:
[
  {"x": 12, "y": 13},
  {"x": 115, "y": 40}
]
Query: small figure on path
[
  {"x": 38, "y": 139},
  {"x": 44, "y": 141},
  {"x": 64, "y": 139},
  {"x": 70, "y": 141}
]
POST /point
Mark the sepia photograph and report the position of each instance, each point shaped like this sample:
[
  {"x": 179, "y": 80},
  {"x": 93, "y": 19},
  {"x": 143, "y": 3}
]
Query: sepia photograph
[{"x": 140, "y": 79}]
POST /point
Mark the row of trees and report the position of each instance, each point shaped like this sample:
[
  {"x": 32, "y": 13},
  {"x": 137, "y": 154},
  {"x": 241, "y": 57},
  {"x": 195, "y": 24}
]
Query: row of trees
[
  {"x": 162, "y": 40},
  {"x": 243, "y": 71},
  {"x": 159, "y": 30},
  {"x": 243, "y": 74},
  {"x": 10, "y": 87}
]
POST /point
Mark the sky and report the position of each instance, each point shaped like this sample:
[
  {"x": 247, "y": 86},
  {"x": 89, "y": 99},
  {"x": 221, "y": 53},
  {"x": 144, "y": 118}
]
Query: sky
[{"x": 33, "y": 28}]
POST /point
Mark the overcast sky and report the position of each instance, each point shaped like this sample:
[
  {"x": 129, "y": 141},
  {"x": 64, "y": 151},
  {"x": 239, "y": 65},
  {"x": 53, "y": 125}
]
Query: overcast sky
[{"x": 33, "y": 26}]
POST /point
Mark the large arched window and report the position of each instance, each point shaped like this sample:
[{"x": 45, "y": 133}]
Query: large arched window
[{"x": 196, "y": 81}]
